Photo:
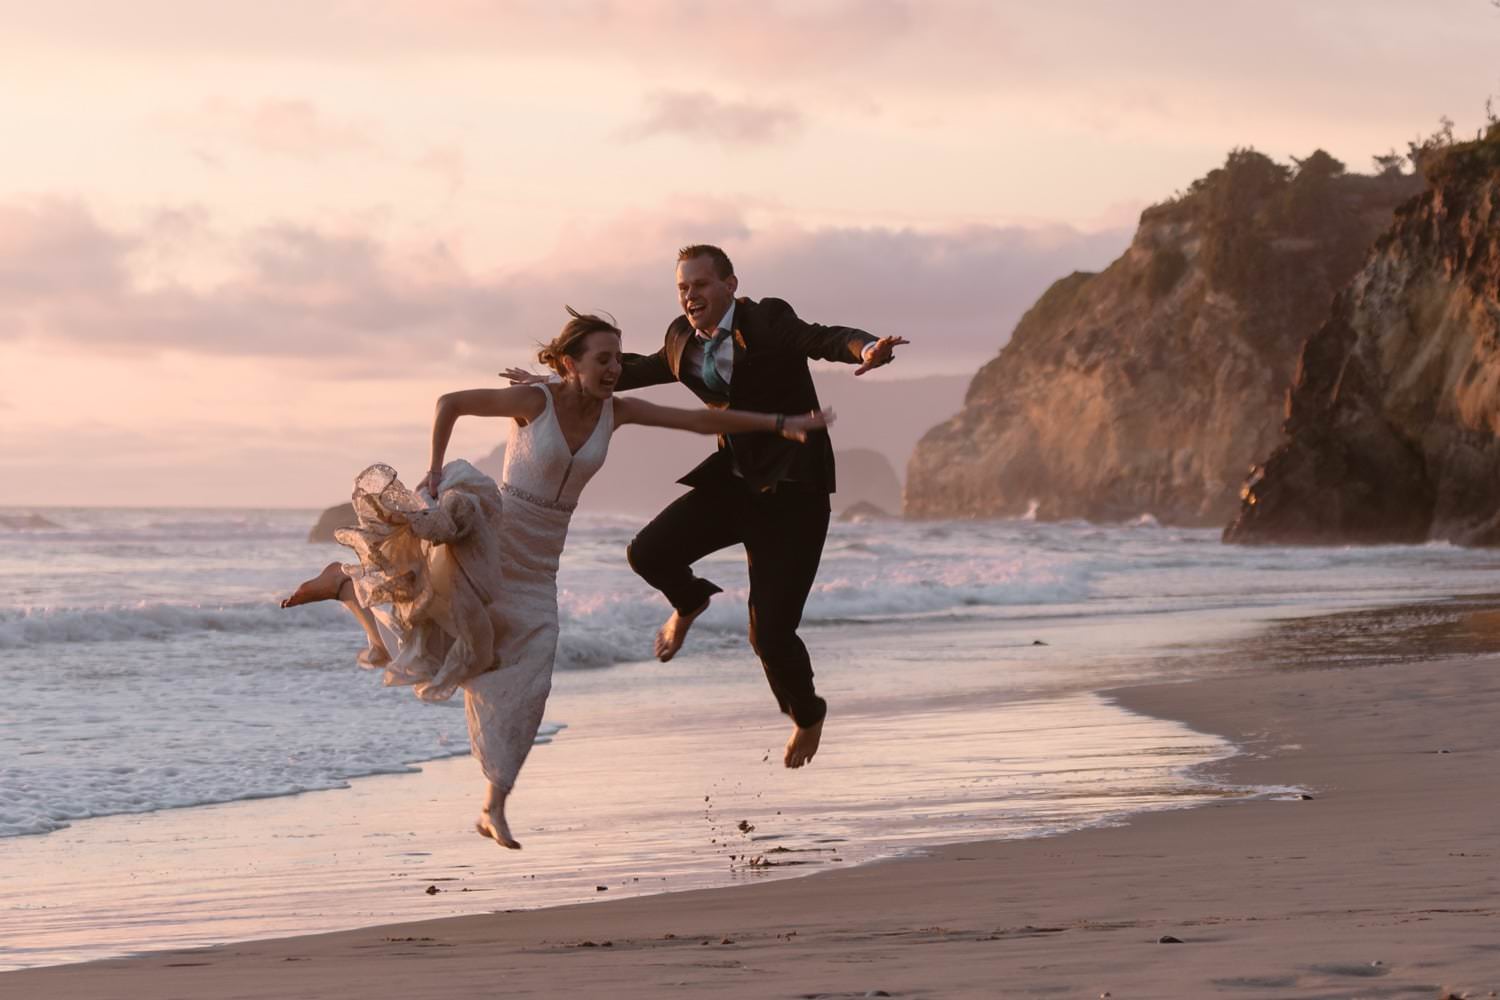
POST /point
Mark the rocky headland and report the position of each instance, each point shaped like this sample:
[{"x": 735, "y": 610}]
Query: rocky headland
[
  {"x": 1392, "y": 423},
  {"x": 866, "y": 479},
  {"x": 1152, "y": 387},
  {"x": 27, "y": 522}
]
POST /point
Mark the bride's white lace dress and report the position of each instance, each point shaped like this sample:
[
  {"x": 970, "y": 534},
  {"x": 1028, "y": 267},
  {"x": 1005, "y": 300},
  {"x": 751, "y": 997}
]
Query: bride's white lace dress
[{"x": 466, "y": 590}]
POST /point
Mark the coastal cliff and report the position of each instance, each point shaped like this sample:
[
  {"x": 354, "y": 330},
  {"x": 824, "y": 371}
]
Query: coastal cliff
[
  {"x": 1392, "y": 423},
  {"x": 1152, "y": 386}
]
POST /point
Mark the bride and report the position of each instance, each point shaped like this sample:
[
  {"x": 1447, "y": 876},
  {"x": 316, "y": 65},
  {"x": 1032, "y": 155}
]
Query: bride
[{"x": 456, "y": 583}]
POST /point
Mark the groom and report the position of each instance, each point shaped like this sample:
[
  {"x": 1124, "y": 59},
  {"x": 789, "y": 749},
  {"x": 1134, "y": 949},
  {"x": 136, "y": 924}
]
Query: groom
[{"x": 761, "y": 491}]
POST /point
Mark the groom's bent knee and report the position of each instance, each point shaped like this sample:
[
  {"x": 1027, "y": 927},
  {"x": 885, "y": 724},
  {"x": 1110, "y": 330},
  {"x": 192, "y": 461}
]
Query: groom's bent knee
[
  {"x": 642, "y": 555},
  {"x": 775, "y": 641}
]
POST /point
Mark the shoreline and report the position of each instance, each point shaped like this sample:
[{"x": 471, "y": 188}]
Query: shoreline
[
  {"x": 138, "y": 884},
  {"x": 1384, "y": 881}
]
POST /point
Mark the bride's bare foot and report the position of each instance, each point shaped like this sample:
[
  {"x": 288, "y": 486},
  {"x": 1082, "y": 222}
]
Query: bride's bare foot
[
  {"x": 671, "y": 636},
  {"x": 323, "y": 587},
  {"x": 491, "y": 822},
  {"x": 803, "y": 744},
  {"x": 333, "y": 584},
  {"x": 495, "y": 828}
]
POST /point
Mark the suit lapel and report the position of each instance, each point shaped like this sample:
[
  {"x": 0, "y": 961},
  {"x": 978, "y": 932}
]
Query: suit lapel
[
  {"x": 679, "y": 334},
  {"x": 743, "y": 309},
  {"x": 677, "y": 341}
]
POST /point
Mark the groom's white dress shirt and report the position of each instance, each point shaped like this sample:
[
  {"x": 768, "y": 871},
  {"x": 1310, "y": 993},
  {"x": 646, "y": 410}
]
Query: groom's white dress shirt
[{"x": 724, "y": 360}]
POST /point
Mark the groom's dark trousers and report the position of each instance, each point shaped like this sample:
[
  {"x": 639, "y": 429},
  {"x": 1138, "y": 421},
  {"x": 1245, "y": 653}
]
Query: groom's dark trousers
[{"x": 761, "y": 491}]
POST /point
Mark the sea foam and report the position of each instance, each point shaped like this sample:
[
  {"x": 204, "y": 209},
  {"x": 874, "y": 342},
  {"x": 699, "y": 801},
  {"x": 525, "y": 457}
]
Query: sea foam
[
  {"x": 154, "y": 620},
  {"x": 147, "y": 664}
]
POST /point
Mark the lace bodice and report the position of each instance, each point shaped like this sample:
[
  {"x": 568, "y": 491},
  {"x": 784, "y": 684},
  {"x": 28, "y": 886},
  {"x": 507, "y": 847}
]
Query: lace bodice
[{"x": 540, "y": 469}]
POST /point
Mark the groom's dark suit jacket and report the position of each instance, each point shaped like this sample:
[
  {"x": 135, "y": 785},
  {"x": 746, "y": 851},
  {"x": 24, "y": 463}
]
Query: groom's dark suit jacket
[{"x": 771, "y": 350}]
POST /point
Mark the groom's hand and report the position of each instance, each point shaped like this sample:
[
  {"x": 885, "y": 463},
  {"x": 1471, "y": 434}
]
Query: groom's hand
[
  {"x": 882, "y": 352},
  {"x": 520, "y": 376}
]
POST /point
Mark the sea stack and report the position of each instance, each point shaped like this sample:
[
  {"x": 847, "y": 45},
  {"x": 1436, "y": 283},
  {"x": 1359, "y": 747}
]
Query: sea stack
[{"x": 1391, "y": 424}]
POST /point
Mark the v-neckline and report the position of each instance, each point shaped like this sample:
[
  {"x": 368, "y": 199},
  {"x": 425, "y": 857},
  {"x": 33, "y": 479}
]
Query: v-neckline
[{"x": 552, "y": 408}]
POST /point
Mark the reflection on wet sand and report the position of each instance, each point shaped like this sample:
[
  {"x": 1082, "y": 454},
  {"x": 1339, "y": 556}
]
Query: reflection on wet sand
[{"x": 1461, "y": 626}]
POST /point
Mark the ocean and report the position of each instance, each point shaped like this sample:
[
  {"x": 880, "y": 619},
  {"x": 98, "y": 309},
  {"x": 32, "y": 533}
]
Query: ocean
[{"x": 182, "y": 762}]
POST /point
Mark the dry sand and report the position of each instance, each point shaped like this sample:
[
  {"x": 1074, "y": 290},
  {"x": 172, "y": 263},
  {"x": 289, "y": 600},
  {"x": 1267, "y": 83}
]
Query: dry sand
[{"x": 1385, "y": 883}]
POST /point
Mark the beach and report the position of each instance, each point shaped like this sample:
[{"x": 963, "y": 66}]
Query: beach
[
  {"x": 1382, "y": 882},
  {"x": 1050, "y": 747}
]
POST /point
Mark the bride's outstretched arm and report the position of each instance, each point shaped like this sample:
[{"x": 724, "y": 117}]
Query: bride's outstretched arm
[
  {"x": 707, "y": 421},
  {"x": 520, "y": 402}
]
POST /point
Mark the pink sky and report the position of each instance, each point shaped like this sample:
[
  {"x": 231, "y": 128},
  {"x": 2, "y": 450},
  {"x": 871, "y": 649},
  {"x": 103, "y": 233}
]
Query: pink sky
[{"x": 244, "y": 245}]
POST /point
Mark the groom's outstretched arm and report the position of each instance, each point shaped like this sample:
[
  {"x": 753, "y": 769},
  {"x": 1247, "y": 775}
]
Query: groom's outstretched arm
[
  {"x": 640, "y": 370},
  {"x": 832, "y": 343},
  {"x": 814, "y": 340}
]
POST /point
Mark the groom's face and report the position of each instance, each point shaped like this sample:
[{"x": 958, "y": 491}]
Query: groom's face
[{"x": 705, "y": 297}]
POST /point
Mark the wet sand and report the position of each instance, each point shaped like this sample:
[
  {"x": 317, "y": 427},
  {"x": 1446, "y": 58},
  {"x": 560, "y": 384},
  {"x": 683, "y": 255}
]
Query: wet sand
[
  {"x": 1384, "y": 883},
  {"x": 612, "y": 802}
]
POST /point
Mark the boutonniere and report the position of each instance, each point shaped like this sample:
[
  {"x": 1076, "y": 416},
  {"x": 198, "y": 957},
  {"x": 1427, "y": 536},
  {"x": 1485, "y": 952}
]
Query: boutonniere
[{"x": 739, "y": 339}]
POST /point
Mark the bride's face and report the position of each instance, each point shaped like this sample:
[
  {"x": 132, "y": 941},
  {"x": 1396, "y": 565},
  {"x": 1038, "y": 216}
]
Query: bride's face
[{"x": 597, "y": 369}]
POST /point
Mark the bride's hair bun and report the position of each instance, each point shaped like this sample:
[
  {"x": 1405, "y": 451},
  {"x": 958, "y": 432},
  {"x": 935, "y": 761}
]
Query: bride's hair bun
[{"x": 574, "y": 336}]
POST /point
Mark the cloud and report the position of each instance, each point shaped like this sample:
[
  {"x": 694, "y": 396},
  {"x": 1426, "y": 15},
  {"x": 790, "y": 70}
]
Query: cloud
[
  {"x": 699, "y": 115},
  {"x": 298, "y": 129},
  {"x": 298, "y": 293},
  {"x": 956, "y": 294},
  {"x": 448, "y": 164},
  {"x": 1172, "y": 65},
  {"x": 641, "y": 32},
  {"x": 54, "y": 248},
  {"x": 286, "y": 127},
  {"x": 940, "y": 40},
  {"x": 293, "y": 291}
]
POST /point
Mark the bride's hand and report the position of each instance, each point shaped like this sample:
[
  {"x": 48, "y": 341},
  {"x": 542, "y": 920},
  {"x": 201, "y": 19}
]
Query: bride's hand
[
  {"x": 796, "y": 428},
  {"x": 520, "y": 376},
  {"x": 430, "y": 482}
]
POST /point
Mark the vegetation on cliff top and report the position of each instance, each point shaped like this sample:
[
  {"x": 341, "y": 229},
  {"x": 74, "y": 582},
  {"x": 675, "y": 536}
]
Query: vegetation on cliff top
[{"x": 1253, "y": 209}]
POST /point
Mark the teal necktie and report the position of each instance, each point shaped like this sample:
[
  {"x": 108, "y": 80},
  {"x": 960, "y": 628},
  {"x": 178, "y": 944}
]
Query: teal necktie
[{"x": 711, "y": 376}]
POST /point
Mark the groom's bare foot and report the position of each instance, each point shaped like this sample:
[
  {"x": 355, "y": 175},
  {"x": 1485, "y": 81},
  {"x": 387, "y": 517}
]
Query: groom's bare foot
[
  {"x": 323, "y": 587},
  {"x": 803, "y": 744},
  {"x": 492, "y": 824},
  {"x": 671, "y": 636}
]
